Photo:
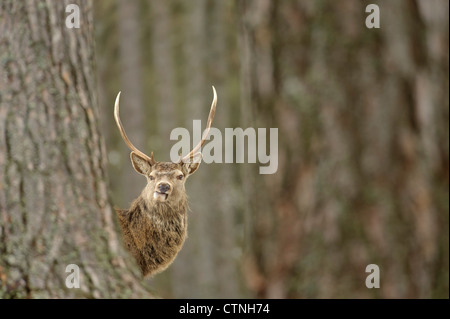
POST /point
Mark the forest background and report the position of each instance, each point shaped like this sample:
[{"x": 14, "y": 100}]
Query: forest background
[{"x": 363, "y": 145}]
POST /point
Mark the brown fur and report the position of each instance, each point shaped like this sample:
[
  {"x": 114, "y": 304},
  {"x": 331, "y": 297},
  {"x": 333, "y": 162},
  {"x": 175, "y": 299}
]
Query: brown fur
[
  {"x": 155, "y": 226},
  {"x": 155, "y": 231}
]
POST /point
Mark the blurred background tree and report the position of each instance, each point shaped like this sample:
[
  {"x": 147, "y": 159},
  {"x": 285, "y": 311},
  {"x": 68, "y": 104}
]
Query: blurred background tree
[{"x": 363, "y": 159}]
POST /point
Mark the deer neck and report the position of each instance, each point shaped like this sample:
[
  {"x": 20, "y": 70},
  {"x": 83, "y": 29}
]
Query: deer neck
[{"x": 170, "y": 207}]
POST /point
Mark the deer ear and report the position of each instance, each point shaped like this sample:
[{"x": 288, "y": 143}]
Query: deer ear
[
  {"x": 140, "y": 164},
  {"x": 190, "y": 167}
]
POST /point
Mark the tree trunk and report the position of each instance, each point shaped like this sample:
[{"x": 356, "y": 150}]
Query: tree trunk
[
  {"x": 363, "y": 148},
  {"x": 54, "y": 206},
  {"x": 194, "y": 264},
  {"x": 133, "y": 115},
  {"x": 164, "y": 78}
]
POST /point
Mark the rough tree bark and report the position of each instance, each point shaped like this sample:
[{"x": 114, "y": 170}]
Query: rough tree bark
[{"x": 54, "y": 206}]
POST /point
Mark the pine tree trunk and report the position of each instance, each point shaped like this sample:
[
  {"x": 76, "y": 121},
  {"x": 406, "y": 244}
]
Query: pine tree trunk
[
  {"x": 54, "y": 205},
  {"x": 363, "y": 139}
]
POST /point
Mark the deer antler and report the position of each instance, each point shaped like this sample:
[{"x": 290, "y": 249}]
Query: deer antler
[
  {"x": 124, "y": 135},
  {"x": 212, "y": 112}
]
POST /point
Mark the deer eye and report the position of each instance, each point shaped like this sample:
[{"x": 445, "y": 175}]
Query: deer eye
[
  {"x": 151, "y": 177},
  {"x": 180, "y": 177}
]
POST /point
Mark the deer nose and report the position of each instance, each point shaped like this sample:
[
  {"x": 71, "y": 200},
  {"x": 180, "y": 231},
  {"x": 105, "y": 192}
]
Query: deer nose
[{"x": 163, "y": 187}]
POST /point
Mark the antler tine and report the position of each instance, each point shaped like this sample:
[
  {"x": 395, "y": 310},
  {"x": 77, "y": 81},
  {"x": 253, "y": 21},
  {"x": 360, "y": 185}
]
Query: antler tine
[
  {"x": 124, "y": 135},
  {"x": 212, "y": 112}
]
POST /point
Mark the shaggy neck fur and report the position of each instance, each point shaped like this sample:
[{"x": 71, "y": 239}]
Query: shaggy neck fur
[{"x": 153, "y": 231}]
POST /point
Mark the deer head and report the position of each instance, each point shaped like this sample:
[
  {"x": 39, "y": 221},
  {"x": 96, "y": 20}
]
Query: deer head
[
  {"x": 165, "y": 180},
  {"x": 155, "y": 226}
]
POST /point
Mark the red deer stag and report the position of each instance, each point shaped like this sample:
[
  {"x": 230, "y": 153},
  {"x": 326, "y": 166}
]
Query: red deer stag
[{"x": 155, "y": 226}]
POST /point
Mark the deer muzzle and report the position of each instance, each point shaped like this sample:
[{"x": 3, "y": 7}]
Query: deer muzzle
[{"x": 162, "y": 191}]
